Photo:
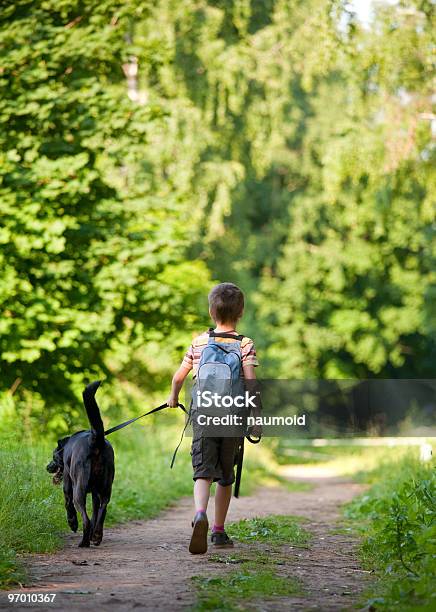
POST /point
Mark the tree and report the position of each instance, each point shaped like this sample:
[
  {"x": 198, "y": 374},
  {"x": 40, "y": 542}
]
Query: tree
[
  {"x": 88, "y": 257},
  {"x": 352, "y": 288},
  {"x": 235, "y": 80}
]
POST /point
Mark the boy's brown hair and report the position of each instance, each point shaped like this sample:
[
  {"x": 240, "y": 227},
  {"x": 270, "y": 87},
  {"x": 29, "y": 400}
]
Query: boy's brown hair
[{"x": 226, "y": 303}]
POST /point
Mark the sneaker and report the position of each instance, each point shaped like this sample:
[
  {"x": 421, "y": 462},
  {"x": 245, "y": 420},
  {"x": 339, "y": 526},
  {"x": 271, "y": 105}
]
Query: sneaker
[
  {"x": 221, "y": 540},
  {"x": 200, "y": 525}
]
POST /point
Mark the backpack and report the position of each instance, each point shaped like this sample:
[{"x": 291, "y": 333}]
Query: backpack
[
  {"x": 219, "y": 374},
  {"x": 220, "y": 365}
]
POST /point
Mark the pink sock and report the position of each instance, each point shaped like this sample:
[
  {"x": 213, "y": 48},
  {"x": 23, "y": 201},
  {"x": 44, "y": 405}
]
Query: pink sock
[
  {"x": 218, "y": 529},
  {"x": 201, "y": 510}
]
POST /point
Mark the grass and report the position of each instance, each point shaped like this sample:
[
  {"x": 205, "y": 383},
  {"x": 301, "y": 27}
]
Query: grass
[
  {"x": 31, "y": 519},
  {"x": 257, "y": 474},
  {"x": 11, "y": 572},
  {"x": 397, "y": 520},
  {"x": 235, "y": 590},
  {"x": 253, "y": 571},
  {"x": 289, "y": 454},
  {"x": 273, "y": 529}
]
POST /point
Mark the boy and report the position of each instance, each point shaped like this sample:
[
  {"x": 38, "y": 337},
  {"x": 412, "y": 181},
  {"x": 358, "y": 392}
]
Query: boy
[{"x": 213, "y": 457}]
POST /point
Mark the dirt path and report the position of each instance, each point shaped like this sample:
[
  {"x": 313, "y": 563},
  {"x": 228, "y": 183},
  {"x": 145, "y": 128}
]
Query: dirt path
[{"x": 146, "y": 564}]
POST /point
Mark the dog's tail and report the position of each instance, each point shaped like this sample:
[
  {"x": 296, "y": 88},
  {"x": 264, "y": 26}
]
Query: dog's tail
[{"x": 93, "y": 412}]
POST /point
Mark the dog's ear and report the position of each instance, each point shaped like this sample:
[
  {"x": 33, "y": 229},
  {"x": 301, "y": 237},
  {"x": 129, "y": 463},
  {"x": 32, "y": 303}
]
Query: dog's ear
[
  {"x": 62, "y": 442},
  {"x": 58, "y": 453}
]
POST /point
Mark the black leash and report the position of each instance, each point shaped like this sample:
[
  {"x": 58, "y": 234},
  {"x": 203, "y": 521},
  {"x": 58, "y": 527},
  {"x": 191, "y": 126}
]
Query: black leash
[
  {"x": 240, "y": 461},
  {"x": 188, "y": 414},
  {"x": 181, "y": 437},
  {"x": 161, "y": 407}
]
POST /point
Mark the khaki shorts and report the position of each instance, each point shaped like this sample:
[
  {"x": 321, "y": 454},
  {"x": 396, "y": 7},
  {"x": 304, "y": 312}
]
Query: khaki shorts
[{"x": 214, "y": 458}]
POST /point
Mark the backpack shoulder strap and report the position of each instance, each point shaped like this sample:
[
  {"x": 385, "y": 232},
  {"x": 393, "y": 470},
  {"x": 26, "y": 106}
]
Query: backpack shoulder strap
[{"x": 213, "y": 334}]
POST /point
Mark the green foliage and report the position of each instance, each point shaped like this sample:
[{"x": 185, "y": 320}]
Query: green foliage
[
  {"x": 144, "y": 483},
  {"x": 311, "y": 167},
  {"x": 149, "y": 146},
  {"x": 31, "y": 518},
  {"x": 276, "y": 144},
  {"x": 11, "y": 572},
  {"x": 89, "y": 257},
  {"x": 397, "y": 518},
  {"x": 353, "y": 284},
  {"x": 233, "y": 77}
]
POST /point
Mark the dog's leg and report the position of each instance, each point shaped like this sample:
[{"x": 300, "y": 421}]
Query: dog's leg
[
  {"x": 97, "y": 535},
  {"x": 69, "y": 505},
  {"x": 79, "y": 497},
  {"x": 95, "y": 509}
]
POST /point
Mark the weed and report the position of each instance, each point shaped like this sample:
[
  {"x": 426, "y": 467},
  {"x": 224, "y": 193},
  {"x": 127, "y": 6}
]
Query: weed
[{"x": 397, "y": 518}]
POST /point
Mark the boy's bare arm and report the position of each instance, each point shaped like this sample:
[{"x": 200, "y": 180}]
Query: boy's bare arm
[
  {"x": 176, "y": 384},
  {"x": 250, "y": 375},
  {"x": 249, "y": 371}
]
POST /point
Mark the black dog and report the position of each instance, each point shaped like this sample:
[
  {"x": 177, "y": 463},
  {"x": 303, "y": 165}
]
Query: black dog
[{"x": 85, "y": 462}]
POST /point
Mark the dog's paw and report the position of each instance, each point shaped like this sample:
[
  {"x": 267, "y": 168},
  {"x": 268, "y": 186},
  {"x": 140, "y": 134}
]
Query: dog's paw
[
  {"x": 96, "y": 539},
  {"x": 84, "y": 544},
  {"x": 74, "y": 525}
]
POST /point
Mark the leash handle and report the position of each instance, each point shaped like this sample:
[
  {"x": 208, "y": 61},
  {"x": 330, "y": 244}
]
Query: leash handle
[{"x": 253, "y": 440}]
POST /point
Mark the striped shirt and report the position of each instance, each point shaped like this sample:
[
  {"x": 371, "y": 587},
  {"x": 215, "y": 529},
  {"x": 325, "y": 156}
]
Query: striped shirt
[{"x": 191, "y": 360}]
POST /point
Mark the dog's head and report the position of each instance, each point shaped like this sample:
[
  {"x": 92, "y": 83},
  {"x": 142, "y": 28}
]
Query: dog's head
[{"x": 56, "y": 466}]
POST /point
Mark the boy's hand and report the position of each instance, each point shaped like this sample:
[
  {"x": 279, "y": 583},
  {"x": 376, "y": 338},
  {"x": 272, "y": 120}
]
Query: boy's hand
[{"x": 172, "y": 401}]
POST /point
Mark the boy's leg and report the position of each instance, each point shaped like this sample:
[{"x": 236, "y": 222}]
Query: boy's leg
[
  {"x": 202, "y": 493},
  {"x": 223, "y": 496},
  {"x": 223, "y": 492},
  {"x": 204, "y": 453},
  {"x": 200, "y": 525}
]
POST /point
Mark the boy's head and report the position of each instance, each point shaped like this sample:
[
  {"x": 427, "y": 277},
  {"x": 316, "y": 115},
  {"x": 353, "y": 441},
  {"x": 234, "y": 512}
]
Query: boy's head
[{"x": 226, "y": 303}]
